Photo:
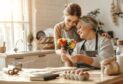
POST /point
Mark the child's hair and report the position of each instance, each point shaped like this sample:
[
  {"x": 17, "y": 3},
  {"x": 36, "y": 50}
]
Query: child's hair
[{"x": 72, "y": 9}]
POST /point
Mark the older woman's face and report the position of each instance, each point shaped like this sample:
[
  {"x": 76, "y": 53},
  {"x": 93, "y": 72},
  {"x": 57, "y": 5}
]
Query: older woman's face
[
  {"x": 83, "y": 30},
  {"x": 70, "y": 21}
]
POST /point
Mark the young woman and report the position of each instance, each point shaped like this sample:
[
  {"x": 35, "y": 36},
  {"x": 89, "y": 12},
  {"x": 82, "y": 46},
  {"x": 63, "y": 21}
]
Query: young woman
[
  {"x": 93, "y": 49},
  {"x": 67, "y": 28}
]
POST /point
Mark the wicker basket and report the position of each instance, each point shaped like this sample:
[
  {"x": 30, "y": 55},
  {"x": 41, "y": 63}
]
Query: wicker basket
[{"x": 45, "y": 43}]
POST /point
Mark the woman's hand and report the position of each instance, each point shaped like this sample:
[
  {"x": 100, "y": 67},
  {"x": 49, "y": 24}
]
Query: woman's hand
[
  {"x": 106, "y": 35},
  {"x": 64, "y": 55}
]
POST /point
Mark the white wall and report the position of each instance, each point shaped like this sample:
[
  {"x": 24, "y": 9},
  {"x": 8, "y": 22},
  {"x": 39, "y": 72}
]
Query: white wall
[{"x": 49, "y": 12}]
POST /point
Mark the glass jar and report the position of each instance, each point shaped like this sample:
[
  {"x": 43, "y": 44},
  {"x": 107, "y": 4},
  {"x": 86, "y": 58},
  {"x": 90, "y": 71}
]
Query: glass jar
[{"x": 119, "y": 49}]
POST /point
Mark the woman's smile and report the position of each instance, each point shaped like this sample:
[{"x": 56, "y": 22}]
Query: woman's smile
[{"x": 70, "y": 21}]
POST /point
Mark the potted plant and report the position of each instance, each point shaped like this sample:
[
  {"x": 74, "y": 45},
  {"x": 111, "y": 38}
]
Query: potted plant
[{"x": 30, "y": 39}]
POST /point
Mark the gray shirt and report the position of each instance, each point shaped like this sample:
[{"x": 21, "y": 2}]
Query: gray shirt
[{"x": 105, "y": 49}]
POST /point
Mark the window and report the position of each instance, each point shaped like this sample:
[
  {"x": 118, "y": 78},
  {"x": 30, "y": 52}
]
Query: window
[{"x": 14, "y": 23}]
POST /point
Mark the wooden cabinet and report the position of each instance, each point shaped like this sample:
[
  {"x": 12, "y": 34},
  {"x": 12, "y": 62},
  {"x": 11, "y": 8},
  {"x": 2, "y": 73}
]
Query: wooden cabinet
[
  {"x": 53, "y": 60},
  {"x": 31, "y": 60}
]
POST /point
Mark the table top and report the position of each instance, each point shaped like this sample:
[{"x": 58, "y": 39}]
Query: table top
[{"x": 95, "y": 78}]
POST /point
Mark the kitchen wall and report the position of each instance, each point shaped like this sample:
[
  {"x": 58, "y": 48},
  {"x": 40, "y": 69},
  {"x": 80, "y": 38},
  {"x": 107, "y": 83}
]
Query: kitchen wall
[{"x": 48, "y": 12}]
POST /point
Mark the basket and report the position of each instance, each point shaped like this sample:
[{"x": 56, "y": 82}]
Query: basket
[{"x": 45, "y": 43}]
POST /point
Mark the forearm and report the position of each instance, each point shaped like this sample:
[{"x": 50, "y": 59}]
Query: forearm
[
  {"x": 82, "y": 58},
  {"x": 86, "y": 59}
]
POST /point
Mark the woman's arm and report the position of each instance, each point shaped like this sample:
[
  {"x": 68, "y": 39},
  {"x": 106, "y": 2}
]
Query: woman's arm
[
  {"x": 57, "y": 35},
  {"x": 80, "y": 58},
  {"x": 106, "y": 49}
]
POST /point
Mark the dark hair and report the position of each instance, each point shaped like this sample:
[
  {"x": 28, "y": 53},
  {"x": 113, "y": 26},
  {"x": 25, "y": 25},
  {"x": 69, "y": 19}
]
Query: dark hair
[
  {"x": 73, "y": 9},
  {"x": 90, "y": 21}
]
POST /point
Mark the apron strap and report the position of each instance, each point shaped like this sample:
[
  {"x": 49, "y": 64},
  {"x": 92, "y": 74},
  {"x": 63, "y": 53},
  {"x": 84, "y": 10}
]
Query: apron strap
[
  {"x": 96, "y": 46},
  {"x": 83, "y": 46}
]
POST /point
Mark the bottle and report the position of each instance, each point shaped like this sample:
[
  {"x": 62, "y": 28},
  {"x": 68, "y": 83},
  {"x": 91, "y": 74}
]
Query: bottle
[{"x": 119, "y": 49}]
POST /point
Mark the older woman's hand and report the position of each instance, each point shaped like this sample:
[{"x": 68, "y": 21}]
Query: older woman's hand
[
  {"x": 81, "y": 58},
  {"x": 106, "y": 35},
  {"x": 76, "y": 58}
]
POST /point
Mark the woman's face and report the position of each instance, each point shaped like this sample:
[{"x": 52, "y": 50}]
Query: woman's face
[
  {"x": 70, "y": 21},
  {"x": 83, "y": 30}
]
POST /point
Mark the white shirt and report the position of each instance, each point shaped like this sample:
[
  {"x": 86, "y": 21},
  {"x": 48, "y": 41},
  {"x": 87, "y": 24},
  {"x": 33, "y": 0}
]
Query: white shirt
[{"x": 105, "y": 49}]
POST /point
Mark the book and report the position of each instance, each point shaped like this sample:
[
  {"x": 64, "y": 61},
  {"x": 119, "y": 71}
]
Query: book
[{"x": 43, "y": 76}]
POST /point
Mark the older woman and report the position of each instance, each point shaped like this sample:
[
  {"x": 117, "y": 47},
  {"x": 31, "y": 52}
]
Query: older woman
[{"x": 93, "y": 49}]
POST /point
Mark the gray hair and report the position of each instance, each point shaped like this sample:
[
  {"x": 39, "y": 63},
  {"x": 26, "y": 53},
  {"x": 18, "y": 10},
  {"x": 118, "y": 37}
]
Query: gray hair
[{"x": 89, "y": 21}]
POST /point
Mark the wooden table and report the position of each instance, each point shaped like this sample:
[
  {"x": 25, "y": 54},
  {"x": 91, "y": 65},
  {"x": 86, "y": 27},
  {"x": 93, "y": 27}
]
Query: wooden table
[{"x": 95, "y": 78}]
